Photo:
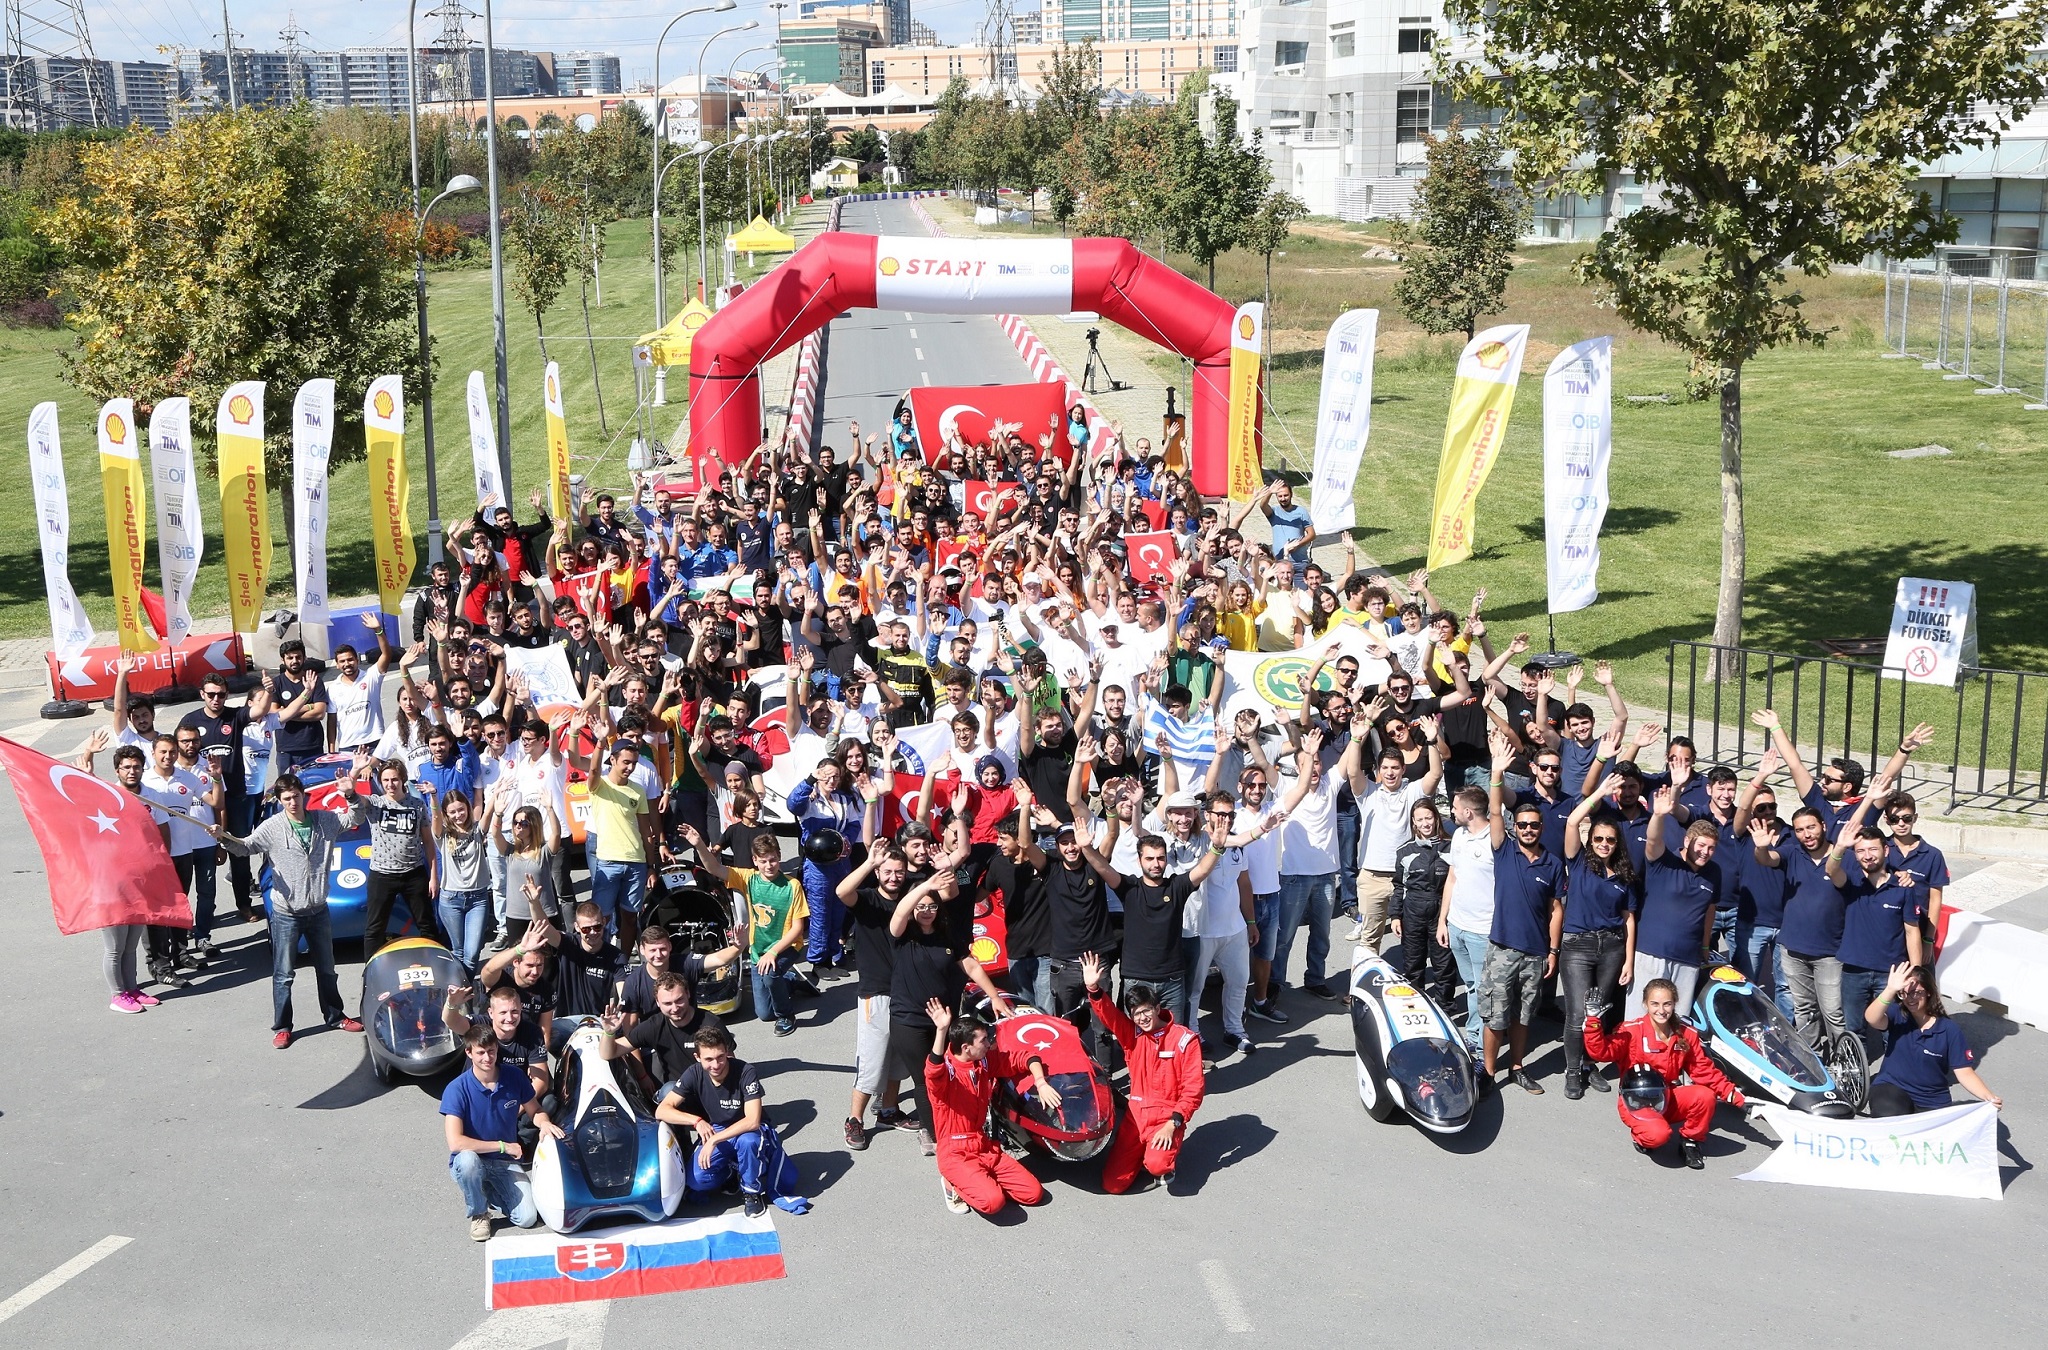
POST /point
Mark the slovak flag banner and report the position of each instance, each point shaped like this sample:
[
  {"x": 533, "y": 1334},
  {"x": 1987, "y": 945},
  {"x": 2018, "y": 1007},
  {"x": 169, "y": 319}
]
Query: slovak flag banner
[
  {"x": 102, "y": 851},
  {"x": 1151, "y": 556},
  {"x": 527, "y": 1269}
]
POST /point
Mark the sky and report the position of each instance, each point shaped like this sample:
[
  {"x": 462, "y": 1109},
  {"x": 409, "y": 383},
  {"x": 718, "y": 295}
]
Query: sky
[{"x": 627, "y": 27}]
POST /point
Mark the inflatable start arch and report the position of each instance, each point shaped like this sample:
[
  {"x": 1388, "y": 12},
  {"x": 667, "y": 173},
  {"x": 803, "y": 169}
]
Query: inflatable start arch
[{"x": 837, "y": 272}]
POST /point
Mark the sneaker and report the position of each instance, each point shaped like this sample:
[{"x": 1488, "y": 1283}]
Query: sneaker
[
  {"x": 1268, "y": 1011},
  {"x": 784, "y": 1026},
  {"x": 1474, "y": 1048},
  {"x": 1574, "y": 1085},
  {"x": 189, "y": 959},
  {"x": 755, "y": 1205},
  {"x": 1597, "y": 1080},
  {"x": 347, "y": 1024},
  {"x": 204, "y": 946},
  {"x": 1246, "y": 1045},
  {"x": 1357, "y": 933},
  {"x": 930, "y": 1145},
  {"x": 146, "y": 1000},
  {"x": 1639, "y": 1148},
  {"x": 170, "y": 979},
  {"x": 897, "y": 1120},
  {"x": 1323, "y": 992},
  {"x": 856, "y": 1134},
  {"x": 480, "y": 1230},
  {"x": 282, "y": 1040},
  {"x": 1527, "y": 1084},
  {"x": 124, "y": 1003},
  {"x": 953, "y": 1200},
  {"x": 1692, "y": 1155}
]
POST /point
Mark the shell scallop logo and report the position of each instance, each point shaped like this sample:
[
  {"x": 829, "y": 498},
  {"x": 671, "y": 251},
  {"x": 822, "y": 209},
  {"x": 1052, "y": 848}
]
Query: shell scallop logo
[
  {"x": 240, "y": 410},
  {"x": 382, "y": 403},
  {"x": 553, "y": 392},
  {"x": 888, "y": 267},
  {"x": 1493, "y": 355},
  {"x": 984, "y": 950},
  {"x": 117, "y": 430},
  {"x": 1245, "y": 326}
]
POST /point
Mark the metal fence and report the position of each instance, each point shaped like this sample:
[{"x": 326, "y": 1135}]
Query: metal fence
[
  {"x": 1991, "y": 730},
  {"x": 1978, "y": 319}
]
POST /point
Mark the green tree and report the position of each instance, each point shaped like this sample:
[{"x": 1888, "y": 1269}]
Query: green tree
[
  {"x": 542, "y": 225},
  {"x": 817, "y": 141},
  {"x": 1214, "y": 186},
  {"x": 1270, "y": 227},
  {"x": 235, "y": 246},
  {"x": 1458, "y": 252},
  {"x": 863, "y": 146},
  {"x": 1781, "y": 135},
  {"x": 1069, "y": 105}
]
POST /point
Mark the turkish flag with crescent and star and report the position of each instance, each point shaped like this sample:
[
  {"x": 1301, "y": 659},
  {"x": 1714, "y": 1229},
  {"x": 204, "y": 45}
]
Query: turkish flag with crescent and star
[
  {"x": 105, "y": 858},
  {"x": 972, "y": 411},
  {"x": 1151, "y": 556}
]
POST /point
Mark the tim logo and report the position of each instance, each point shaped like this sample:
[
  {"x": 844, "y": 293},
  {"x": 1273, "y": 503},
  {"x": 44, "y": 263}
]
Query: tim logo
[{"x": 590, "y": 1260}]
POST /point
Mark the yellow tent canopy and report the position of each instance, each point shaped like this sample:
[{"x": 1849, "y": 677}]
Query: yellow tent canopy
[
  {"x": 760, "y": 237},
  {"x": 670, "y": 344}
]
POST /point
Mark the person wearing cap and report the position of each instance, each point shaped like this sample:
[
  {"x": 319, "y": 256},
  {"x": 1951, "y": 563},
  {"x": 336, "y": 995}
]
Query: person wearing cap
[{"x": 907, "y": 673}]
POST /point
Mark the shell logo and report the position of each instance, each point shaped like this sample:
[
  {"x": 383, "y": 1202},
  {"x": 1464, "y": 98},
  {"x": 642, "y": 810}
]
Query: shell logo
[
  {"x": 888, "y": 267},
  {"x": 1245, "y": 326},
  {"x": 693, "y": 321},
  {"x": 553, "y": 392},
  {"x": 117, "y": 430},
  {"x": 240, "y": 410},
  {"x": 984, "y": 950},
  {"x": 382, "y": 403},
  {"x": 1493, "y": 355}
]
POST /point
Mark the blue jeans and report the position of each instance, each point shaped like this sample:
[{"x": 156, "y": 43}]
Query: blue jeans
[
  {"x": 1310, "y": 897},
  {"x": 462, "y": 919},
  {"x": 1348, "y": 826},
  {"x": 756, "y": 1156},
  {"x": 771, "y": 989},
  {"x": 489, "y": 1179},
  {"x": 1266, "y": 914},
  {"x": 1469, "y": 951},
  {"x": 616, "y": 886},
  {"x": 317, "y": 928},
  {"x": 1754, "y": 943},
  {"x": 1860, "y": 989},
  {"x": 1031, "y": 977},
  {"x": 1721, "y": 945}
]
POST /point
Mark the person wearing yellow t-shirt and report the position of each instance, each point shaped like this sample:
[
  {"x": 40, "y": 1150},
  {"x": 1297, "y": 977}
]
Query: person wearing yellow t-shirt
[
  {"x": 621, "y": 822},
  {"x": 1283, "y": 612},
  {"x": 778, "y": 919},
  {"x": 1238, "y": 620}
]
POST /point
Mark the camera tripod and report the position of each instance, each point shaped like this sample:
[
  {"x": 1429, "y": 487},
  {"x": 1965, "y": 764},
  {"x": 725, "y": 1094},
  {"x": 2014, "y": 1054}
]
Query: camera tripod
[{"x": 1095, "y": 359}]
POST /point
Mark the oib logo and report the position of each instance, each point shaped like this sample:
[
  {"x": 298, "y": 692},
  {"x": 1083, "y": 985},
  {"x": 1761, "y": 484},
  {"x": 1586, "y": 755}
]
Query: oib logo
[
  {"x": 1278, "y": 681},
  {"x": 382, "y": 403},
  {"x": 888, "y": 267},
  {"x": 241, "y": 410},
  {"x": 1245, "y": 326},
  {"x": 117, "y": 430},
  {"x": 1493, "y": 355}
]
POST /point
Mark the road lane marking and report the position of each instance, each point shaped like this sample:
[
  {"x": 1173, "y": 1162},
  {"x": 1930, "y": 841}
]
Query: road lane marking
[
  {"x": 1222, "y": 1293},
  {"x": 70, "y": 1270},
  {"x": 919, "y": 351},
  {"x": 913, "y": 335},
  {"x": 908, "y": 316},
  {"x": 927, "y": 376}
]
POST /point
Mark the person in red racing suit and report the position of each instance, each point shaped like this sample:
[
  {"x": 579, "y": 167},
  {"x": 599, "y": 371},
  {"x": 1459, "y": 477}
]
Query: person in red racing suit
[
  {"x": 960, "y": 1076},
  {"x": 1673, "y": 1049},
  {"x": 1166, "y": 1084}
]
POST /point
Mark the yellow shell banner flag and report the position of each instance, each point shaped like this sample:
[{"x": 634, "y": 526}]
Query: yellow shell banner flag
[
  {"x": 558, "y": 444},
  {"x": 244, "y": 502},
  {"x": 1241, "y": 430},
  {"x": 1481, "y": 397},
  {"x": 121, "y": 482},
  {"x": 390, "y": 489}
]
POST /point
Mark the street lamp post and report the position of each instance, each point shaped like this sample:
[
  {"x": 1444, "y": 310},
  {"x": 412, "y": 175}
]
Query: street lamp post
[
  {"x": 660, "y": 132},
  {"x": 497, "y": 260},
  {"x": 661, "y": 372},
  {"x": 703, "y": 263},
  {"x": 459, "y": 184},
  {"x": 731, "y": 68}
]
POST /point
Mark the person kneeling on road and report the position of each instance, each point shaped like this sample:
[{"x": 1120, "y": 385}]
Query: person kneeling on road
[
  {"x": 719, "y": 1099},
  {"x": 1166, "y": 1080},
  {"x": 480, "y": 1113},
  {"x": 961, "y": 1076},
  {"x": 1660, "y": 1042}
]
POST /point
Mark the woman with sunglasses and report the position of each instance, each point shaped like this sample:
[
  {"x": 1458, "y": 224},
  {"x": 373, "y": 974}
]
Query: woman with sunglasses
[
  {"x": 1598, "y": 939},
  {"x": 529, "y": 865},
  {"x": 1923, "y": 1047},
  {"x": 1910, "y": 852}
]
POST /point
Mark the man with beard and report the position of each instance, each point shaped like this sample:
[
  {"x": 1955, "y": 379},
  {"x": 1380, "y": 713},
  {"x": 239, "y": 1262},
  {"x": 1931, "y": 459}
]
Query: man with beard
[
  {"x": 590, "y": 965},
  {"x": 524, "y": 969},
  {"x": 668, "y": 1039},
  {"x": 908, "y": 674}
]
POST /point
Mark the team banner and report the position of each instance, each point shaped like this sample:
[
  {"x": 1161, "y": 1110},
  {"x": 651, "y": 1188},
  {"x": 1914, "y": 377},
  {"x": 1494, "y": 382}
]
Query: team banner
[
  {"x": 1578, "y": 438},
  {"x": 559, "y": 505},
  {"x": 312, "y": 442},
  {"x": 1242, "y": 429},
  {"x": 180, "y": 534},
  {"x": 483, "y": 443},
  {"x": 121, "y": 485},
  {"x": 546, "y": 672},
  {"x": 1269, "y": 683},
  {"x": 244, "y": 506},
  {"x": 1150, "y": 557},
  {"x": 965, "y": 276},
  {"x": 1953, "y": 1151},
  {"x": 977, "y": 413},
  {"x": 525, "y": 1269},
  {"x": 1481, "y": 397},
  {"x": 384, "y": 435},
  {"x": 70, "y": 631},
  {"x": 1343, "y": 418}
]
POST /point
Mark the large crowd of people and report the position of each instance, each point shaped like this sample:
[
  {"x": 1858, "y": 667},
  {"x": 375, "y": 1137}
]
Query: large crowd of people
[{"x": 1089, "y": 778}]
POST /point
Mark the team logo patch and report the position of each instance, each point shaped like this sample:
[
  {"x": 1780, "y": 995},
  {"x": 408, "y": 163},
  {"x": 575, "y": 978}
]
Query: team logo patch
[{"x": 1278, "y": 681}]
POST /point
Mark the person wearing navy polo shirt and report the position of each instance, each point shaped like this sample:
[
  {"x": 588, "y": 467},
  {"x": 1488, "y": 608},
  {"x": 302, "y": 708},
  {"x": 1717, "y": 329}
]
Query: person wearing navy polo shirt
[
  {"x": 1922, "y": 1047},
  {"x": 1731, "y": 832},
  {"x": 1812, "y": 931},
  {"x": 1760, "y": 898},
  {"x": 1521, "y": 953},
  {"x": 1908, "y": 853},
  {"x": 1833, "y": 793},
  {"x": 1598, "y": 937},
  {"x": 480, "y": 1113},
  {"x": 1880, "y": 925},
  {"x": 1677, "y": 919},
  {"x": 1679, "y": 775},
  {"x": 1550, "y": 796}
]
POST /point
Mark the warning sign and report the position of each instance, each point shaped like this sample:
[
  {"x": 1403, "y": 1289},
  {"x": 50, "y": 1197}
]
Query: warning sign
[{"x": 1934, "y": 630}]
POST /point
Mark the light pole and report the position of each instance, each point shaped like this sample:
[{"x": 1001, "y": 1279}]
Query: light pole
[
  {"x": 703, "y": 52},
  {"x": 661, "y": 372},
  {"x": 703, "y": 265},
  {"x": 459, "y": 184},
  {"x": 660, "y": 133},
  {"x": 497, "y": 259},
  {"x": 731, "y": 67}
]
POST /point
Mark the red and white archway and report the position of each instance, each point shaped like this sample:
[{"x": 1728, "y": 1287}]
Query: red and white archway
[{"x": 837, "y": 271}]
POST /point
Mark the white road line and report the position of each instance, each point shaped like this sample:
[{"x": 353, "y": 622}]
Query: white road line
[
  {"x": 1222, "y": 1293},
  {"x": 927, "y": 376},
  {"x": 1988, "y": 888},
  {"x": 907, "y": 315},
  {"x": 70, "y": 1270},
  {"x": 581, "y": 1324},
  {"x": 919, "y": 351},
  {"x": 913, "y": 335}
]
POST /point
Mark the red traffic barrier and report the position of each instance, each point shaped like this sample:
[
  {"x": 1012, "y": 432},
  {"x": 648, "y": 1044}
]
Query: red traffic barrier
[{"x": 90, "y": 675}]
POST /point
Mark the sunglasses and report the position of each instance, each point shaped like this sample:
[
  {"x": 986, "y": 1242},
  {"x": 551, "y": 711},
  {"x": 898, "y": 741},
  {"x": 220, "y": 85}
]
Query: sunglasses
[
  {"x": 1547, "y": 768},
  {"x": 1528, "y": 824},
  {"x": 1833, "y": 778},
  {"x": 1903, "y": 817},
  {"x": 599, "y": 928}
]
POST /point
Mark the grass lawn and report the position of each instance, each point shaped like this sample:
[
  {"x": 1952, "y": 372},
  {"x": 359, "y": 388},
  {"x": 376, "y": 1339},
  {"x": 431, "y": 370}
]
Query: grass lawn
[{"x": 459, "y": 307}]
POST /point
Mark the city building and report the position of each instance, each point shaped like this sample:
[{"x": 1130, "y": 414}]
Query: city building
[
  {"x": 1132, "y": 69},
  {"x": 144, "y": 93},
  {"x": 1135, "y": 20},
  {"x": 827, "y": 49},
  {"x": 43, "y": 93},
  {"x": 892, "y": 15},
  {"x": 586, "y": 73}
]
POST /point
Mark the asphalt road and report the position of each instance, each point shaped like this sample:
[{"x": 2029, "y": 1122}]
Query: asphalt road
[{"x": 285, "y": 1199}]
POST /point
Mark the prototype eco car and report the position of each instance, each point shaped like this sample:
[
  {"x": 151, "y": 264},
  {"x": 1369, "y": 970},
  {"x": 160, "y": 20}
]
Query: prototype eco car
[
  {"x": 1081, "y": 1128},
  {"x": 1410, "y": 1056},
  {"x": 348, "y": 867},
  {"x": 1751, "y": 1039},
  {"x": 404, "y": 987},
  {"x": 615, "y": 1159}
]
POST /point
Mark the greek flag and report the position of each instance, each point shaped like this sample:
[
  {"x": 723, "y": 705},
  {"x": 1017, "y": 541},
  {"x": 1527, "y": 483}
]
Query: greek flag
[{"x": 1192, "y": 743}]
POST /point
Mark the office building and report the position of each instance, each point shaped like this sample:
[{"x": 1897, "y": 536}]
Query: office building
[
  {"x": 826, "y": 50},
  {"x": 580, "y": 73}
]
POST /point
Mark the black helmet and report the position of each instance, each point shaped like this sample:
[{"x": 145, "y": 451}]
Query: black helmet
[
  {"x": 1643, "y": 1089},
  {"x": 826, "y": 846}
]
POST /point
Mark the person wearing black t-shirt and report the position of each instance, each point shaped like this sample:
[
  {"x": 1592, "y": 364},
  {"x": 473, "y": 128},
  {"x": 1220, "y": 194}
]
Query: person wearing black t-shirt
[
  {"x": 636, "y": 988},
  {"x": 669, "y": 1038},
  {"x": 301, "y": 699},
  {"x": 1015, "y": 880},
  {"x": 1079, "y": 911},
  {"x": 520, "y": 1044},
  {"x": 873, "y": 905},
  {"x": 1153, "y": 905},
  {"x": 220, "y": 742},
  {"x": 525, "y": 969},
  {"x": 926, "y": 964},
  {"x": 590, "y": 965},
  {"x": 719, "y": 1099}
]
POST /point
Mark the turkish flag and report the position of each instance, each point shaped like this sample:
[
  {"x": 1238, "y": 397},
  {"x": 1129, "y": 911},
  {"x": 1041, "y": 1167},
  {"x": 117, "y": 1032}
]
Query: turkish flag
[
  {"x": 1150, "y": 556},
  {"x": 971, "y": 411},
  {"x": 982, "y": 496},
  {"x": 1154, "y": 512},
  {"x": 899, "y": 803},
  {"x": 106, "y": 860}
]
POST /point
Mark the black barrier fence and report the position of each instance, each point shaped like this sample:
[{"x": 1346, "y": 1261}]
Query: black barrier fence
[{"x": 1991, "y": 730}]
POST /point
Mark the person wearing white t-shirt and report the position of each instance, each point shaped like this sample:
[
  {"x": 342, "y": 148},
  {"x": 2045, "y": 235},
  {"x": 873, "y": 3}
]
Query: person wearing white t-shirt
[
  {"x": 1259, "y": 815},
  {"x": 178, "y": 792},
  {"x": 1308, "y": 856},
  {"x": 355, "y": 693},
  {"x": 539, "y": 777},
  {"x": 1384, "y": 831},
  {"x": 1220, "y": 923},
  {"x": 1467, "y": 916}
]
